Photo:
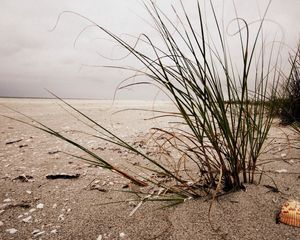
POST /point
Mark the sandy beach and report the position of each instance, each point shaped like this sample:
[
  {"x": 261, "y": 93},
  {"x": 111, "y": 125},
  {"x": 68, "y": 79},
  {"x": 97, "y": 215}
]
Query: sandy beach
[{"x": 34, "y": 206}]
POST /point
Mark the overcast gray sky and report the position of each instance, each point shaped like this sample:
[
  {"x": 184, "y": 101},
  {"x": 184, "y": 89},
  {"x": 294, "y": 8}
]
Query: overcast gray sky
[{"x": 33, "y": 58}]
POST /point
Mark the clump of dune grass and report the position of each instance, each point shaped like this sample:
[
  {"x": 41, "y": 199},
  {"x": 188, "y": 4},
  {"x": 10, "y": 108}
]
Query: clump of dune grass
[
  {"x": 289, "y": 97},
  {"x": 223, "y": 108}
]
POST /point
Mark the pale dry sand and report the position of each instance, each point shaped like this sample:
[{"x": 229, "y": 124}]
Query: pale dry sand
[{"x": 72, "y": 211}]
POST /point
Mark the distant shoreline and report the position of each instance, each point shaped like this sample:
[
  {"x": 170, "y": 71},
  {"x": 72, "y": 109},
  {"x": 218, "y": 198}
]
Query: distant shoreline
[
  {"x": 130, "y": 101},
  {"x": 49, "y": 98}
]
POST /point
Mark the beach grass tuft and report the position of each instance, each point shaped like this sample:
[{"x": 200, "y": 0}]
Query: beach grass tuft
[{"x": 289, "y": 97}]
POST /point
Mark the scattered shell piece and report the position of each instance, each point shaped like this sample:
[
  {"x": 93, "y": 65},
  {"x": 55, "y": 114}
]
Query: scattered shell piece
[
  {"x": 32, "y": 210},
  {"x": 111, "y": 183},
  {"x": 40, "y": 206},
  {"x": 7, "y": 200},
  {"x": 54, "y": 205},
  {"x": 2, "y": 211},
  {"x": 54, "y": 231},
  {"x": 29, "y": 192},
  {"x": 11, "y": 230},
  {"x": 96, "y": 181},
  {"x": 290, "y": 213},
  {"x": 61, "y": 217},
  {"x": 1, "y": 223},
  {"x": 20, "y": 216},
  {"x": 106, "y": 235},
  {"x": 122, "y": 235},
  {"x": 39, "y": 234},
  {"x": 26, "y": 220},
  {"x": 99, "y": 237},
  {"x": 281, "y": 171}
]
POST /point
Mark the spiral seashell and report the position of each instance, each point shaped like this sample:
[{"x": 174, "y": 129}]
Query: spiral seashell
[{"x": 290, "y": 213}]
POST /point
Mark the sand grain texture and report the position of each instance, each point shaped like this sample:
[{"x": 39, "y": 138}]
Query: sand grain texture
[{"x": 71, "y": 210}]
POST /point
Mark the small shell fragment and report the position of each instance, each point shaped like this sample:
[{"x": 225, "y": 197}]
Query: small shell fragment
[
  {"x": 40, "y": 206},
  {"x": 122, "y": 235},
  {"x": 281, "y": 171},
  {"x": 54, "y": 231},
  {"x": 11, "y": 230},
  {"x": 26, "y": 220},
  {"x": 290, "y": 213}
]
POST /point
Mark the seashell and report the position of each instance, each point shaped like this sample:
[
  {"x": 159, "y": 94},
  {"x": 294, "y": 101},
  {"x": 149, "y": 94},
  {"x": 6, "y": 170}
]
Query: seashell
[{"x": 290, "y": 213}]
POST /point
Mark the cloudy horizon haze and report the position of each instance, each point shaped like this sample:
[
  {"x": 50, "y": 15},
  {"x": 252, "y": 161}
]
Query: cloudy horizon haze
[{"x": 33, "y": 58}]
